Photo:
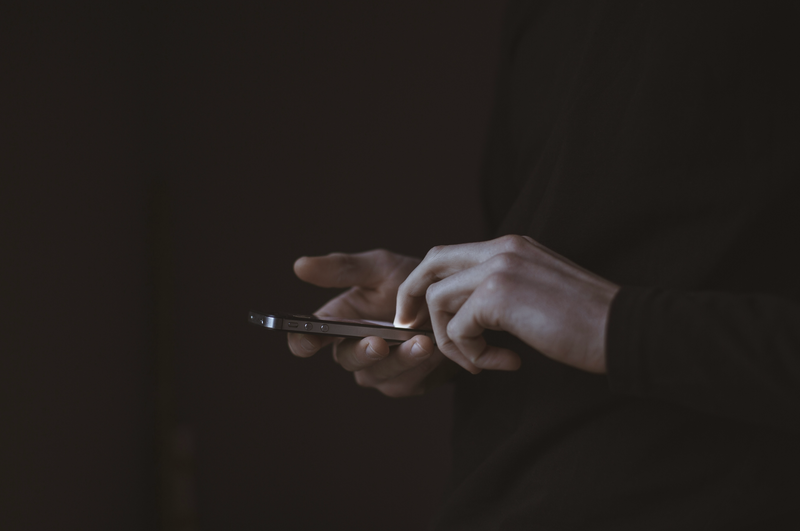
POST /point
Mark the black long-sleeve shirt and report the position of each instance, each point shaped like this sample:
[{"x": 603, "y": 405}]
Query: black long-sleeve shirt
[{"x": 656, "y": 144}]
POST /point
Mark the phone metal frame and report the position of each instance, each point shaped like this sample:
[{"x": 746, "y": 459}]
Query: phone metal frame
[{"x": 308, "y": 324}]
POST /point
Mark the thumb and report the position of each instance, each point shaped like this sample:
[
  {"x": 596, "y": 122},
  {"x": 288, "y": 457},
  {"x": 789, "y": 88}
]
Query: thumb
[{"x": 339, "y": 270}]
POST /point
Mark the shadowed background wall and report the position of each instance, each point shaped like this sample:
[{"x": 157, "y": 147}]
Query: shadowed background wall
[{"x": 163, "y": 166}]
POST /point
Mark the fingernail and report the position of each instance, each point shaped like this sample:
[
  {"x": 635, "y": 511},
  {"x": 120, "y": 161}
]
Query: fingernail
[
  {"x": 418, "y": 352},
  {"x": 308, "y": 344},
  {"x": 372, "y": 353}
]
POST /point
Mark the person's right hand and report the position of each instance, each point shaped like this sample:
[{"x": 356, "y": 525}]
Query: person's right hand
[{"x": 373, "y": 277}]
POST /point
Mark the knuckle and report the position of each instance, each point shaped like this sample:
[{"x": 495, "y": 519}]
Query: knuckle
[
  {"x": 431, "y": 294},
  {"x": 513, "y": 243},
  {"x": 499, "y": 283},
  {"x": 435, "y": 250},
  {"x": 507, "y": 262},
  {"x": 453, "y": 331}
]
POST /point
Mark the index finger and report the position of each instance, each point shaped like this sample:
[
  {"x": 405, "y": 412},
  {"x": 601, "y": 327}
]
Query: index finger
[
  {"x": 440, "y": 262},
  {"x": 444, "y": 261}
]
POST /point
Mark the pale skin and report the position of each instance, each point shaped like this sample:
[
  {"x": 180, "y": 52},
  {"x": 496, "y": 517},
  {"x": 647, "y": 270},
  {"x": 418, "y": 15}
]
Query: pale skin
[{"x": 512, "y": 284}]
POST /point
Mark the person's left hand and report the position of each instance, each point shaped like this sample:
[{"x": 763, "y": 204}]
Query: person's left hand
[{"x": 512, "y": 284}]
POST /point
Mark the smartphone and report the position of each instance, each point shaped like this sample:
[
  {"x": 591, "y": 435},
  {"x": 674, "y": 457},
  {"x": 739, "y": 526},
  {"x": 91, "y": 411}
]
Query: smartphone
[{"x": 335, "y": 326}]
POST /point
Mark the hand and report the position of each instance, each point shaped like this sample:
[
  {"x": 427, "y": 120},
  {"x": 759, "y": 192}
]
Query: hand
[
  {"x": 373, "y": 278},
  {"x": 512, "y": 284}
]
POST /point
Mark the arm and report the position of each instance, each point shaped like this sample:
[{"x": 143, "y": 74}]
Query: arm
[{"x": 731, "y": 355}]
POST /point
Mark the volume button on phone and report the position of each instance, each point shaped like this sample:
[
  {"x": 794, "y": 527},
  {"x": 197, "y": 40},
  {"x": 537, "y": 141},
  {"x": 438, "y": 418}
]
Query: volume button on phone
[
  {"x": 323, "y": 328},
  {"x": 308, "y": 326}
]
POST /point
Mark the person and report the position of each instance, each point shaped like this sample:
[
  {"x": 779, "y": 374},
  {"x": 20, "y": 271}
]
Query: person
[{"x": 626, "y": 349}]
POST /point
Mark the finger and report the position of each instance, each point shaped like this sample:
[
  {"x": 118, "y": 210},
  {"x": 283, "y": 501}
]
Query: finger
[
  {"x": 306, "y": 345},
  {"x": 348, "y": 305},
  {"x": 449, "y": 294},
  {"x": 358, "y": 354},
  {"x": 498, "y": 359},
  {"x": 339, "y": 270},
  {"x": 440, "y": 321},
  {"x": 444, "y": 261},
  {"x": 440, "y": 262},
  {"x": 465, "y": 330},
  {"x": 446, "y": 297},
  {"x": 401, "y": 359},
  {"x": 432, "y": 371}
]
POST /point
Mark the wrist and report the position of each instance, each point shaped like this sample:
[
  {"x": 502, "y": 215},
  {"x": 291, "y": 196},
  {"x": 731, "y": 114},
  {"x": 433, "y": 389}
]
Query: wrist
[{"x": 597, "y": 352}]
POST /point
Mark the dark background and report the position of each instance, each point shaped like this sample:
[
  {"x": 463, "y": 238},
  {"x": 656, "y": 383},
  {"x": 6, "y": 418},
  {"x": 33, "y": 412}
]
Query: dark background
[{"x": 163, "y": 164}]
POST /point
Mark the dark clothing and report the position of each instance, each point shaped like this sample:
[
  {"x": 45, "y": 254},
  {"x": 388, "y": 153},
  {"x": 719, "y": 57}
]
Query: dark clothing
[{"x": 655, "y": 144}]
